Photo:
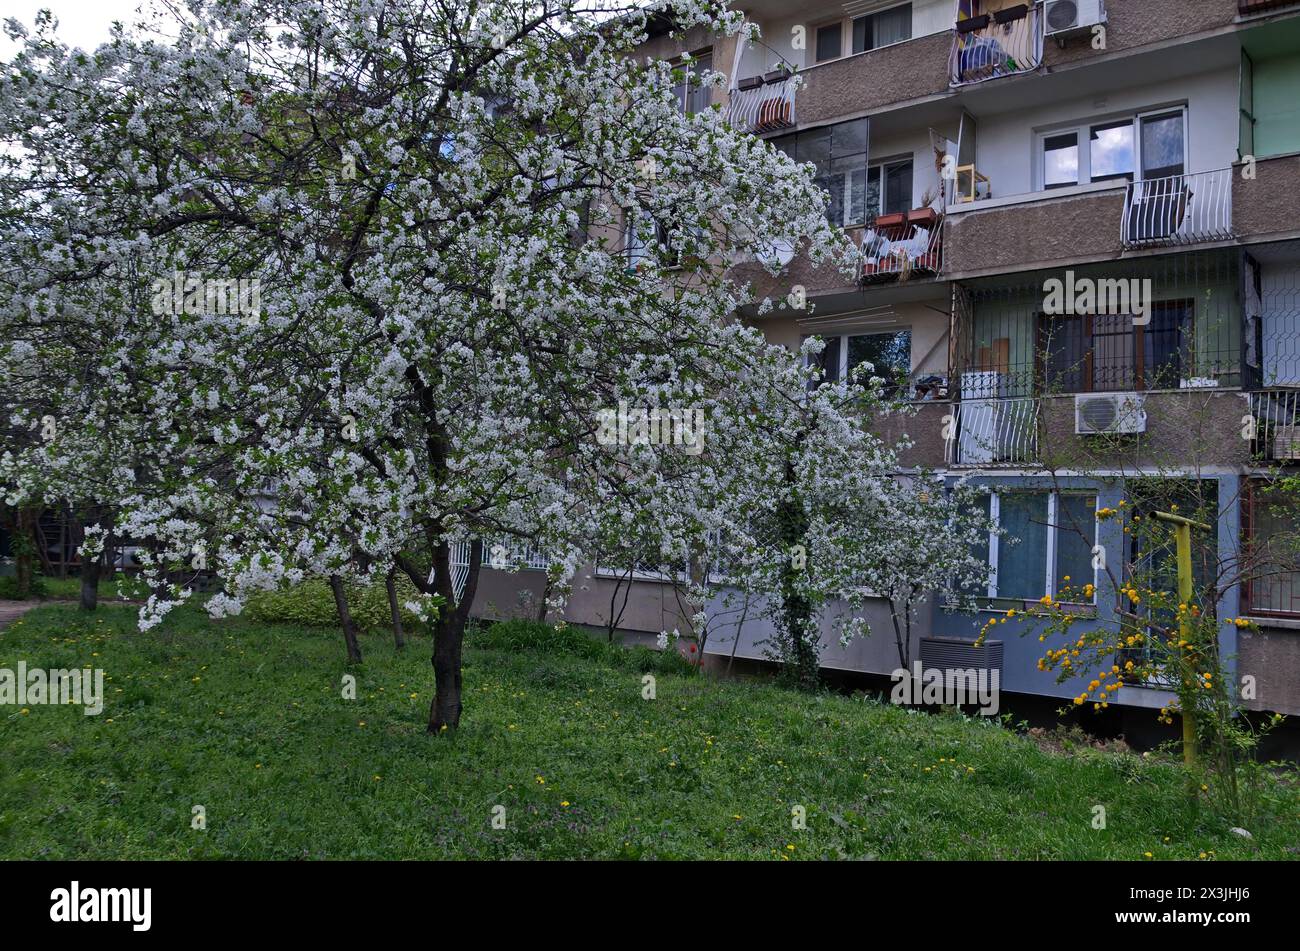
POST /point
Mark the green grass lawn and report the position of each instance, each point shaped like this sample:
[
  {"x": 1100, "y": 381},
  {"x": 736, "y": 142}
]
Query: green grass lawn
[{"x": 248, "y": 721}]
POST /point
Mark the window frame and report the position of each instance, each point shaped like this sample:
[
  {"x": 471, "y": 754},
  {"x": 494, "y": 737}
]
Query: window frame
[
  {"x": 847, "y": 27},
  {"x": 1053, "y": 528},
  {"x": 1082, "y": 130},
  {"x": 842, "y": 356},
  {"x": 1137, "y": 333},
  {"x": 1249, "y": 526}
]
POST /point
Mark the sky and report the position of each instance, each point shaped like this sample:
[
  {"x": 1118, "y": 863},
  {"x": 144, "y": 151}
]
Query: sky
[{"x": 82, "y": 23}]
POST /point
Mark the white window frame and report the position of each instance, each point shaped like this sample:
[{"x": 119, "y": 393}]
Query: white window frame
[
  {"x": 843, "y": 338},
  {"x": 1051, "y": 580},
  {"x": 1083, "y": 136},
  {"x": 846, "y": 33}
]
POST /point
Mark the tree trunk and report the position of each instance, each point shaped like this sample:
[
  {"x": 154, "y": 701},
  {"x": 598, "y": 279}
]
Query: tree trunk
[
  {"x": 89, "y": 583},
  {"x": 345, "y": 618},
  {"x": 448, "y": 638},
  {"x": 394, "y": 608},
  {"x": 25, "y": 552}
]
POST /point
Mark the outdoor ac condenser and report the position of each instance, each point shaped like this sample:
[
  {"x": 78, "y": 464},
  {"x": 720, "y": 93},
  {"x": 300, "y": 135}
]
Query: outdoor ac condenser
[
  {"x": 1063, "y": 17},
  {"x": 1109, "y": 413}
]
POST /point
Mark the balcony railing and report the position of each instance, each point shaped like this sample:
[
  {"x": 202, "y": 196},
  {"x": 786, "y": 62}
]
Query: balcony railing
[
  {"x": 764, "y": 108},
  {"x": 987, "y": 430},
  {"x": 994, "y": 45},
  {"x": 1179, "y": 209},
  {"x": 1276, "y": 415},
  {"x": 903, "y": 245}
]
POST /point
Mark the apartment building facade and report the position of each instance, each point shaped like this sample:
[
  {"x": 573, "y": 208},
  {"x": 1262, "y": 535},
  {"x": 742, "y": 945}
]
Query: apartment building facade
[{"x": 977, "y": 151}]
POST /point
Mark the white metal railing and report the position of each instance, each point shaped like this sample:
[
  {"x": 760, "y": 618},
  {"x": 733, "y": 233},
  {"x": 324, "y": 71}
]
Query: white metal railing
[
  {"x": 764, "y": 108},
  {"x": 498, "y": 555},
  {"x": 991, "y": 431},
  {"x": 997, "y": 49},
  {"x": 1276, "y": 415},
  {"x": 903, "y": 250},
  {"x": 1178, "y": 209}
]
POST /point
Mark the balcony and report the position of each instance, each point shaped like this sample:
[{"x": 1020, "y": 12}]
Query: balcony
[
  {"x": 989, "y": 429},
  {"x": 761, "y": 105},
  {"x": 1178, "y": 210},
  {"x": 1277, "y": 425},
  {"x": 1006, "y": 42},
  {"x": 900, "y": 246}
]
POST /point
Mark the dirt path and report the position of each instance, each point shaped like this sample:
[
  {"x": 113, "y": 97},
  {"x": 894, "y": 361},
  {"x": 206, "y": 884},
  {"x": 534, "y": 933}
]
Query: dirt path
[{"x": 11, "y": 611}]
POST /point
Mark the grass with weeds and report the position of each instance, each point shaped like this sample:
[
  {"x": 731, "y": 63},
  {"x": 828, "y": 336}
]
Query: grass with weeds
[{"x": 248, "y": 720}]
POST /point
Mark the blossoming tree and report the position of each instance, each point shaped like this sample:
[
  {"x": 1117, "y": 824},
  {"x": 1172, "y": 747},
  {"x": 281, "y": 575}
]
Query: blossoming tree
[{"x": 337, "y": 282}]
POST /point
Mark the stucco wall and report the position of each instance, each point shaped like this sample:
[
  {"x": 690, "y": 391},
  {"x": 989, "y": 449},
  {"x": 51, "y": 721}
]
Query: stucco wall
[
  {"x": 875, "y": 79},
  {"x": 1269, "y": 203},
  {"x": 1134, "y": 23},
  {"x": 1272, "y": 657},
  {"x": 1186, "y": 430},
  {"x": 1040, "y": 233}
]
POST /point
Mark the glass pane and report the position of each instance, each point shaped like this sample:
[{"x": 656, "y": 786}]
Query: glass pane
[
  {"x": 893, "y": 26},
  {"x": 815, "y": 147},
  {"x": 1064, "y": 352},
  {"x": 850, "y": 138},
  {"x": 1022, "y": 552},
  {"x": 981, "y": 551},
  {"x": 898, "y": 187},
  {"x": 1061, "y": 160},
  {"x": 1111, "y": 151},
  {"x": 1162, "y": 344},
  {"x": 861, "y": 34},
  {"x": 1162, "y": 145},
  {"x": 829, "y": 360},
  {"x": 890, "y": 356},
  {"x": 1275, "y": 543},
  {"x": 1112, "y": 352},
  {"x": 1076, "y": 527},
  {"x": 834, "y": 186},
  {"x": 828, "y": 42},
  {"x": 858, "y": 197},
  {"x": 872, "y": 200}
]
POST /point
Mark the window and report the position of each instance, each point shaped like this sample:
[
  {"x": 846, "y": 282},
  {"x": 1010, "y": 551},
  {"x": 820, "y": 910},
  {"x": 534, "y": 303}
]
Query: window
[
  {"x": 692, "y": 95},
  {"x": 1146, "y": 146},
  {"x": 890, "y": 355},
  {"x": 637, "y": 239},
  {"x": 1109, "y": 352},
  {"x": 830, "y": 42},
  {"x": 1061, "y": 160},
  {"x": 881, "y": 29},
  {"x": 1273, "y": 545},
  {"x": 1046, "y": 547},
  {"x": 1110, "y": 151},
  {"x": 839, "y": 153}
]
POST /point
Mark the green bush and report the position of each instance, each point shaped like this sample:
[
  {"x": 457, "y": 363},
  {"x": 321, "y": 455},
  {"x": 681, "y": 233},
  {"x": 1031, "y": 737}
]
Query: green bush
[
  {"x": 521, "y": 634},
  {"x": 9, "y": 588},
  {"x": 312, "y": 603}
]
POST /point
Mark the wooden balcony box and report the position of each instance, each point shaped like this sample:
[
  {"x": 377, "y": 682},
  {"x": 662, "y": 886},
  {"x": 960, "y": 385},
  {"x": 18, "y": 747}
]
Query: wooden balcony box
[
  {"x": 971, "y": 24},
  {"x": 753, "y": 82},
  {"x": 1018, "y": 12}
]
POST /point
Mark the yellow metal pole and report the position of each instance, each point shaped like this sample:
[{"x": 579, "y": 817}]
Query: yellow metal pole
[{"x": 1183, "y": 546}]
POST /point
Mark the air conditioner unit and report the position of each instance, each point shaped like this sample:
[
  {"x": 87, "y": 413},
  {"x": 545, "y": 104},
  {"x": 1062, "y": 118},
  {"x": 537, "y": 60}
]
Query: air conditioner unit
[
  {"x": 1286, "y": 443},
  {"x": 1109, "y": 413},
  {"x": 1063, "y": 17}
]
